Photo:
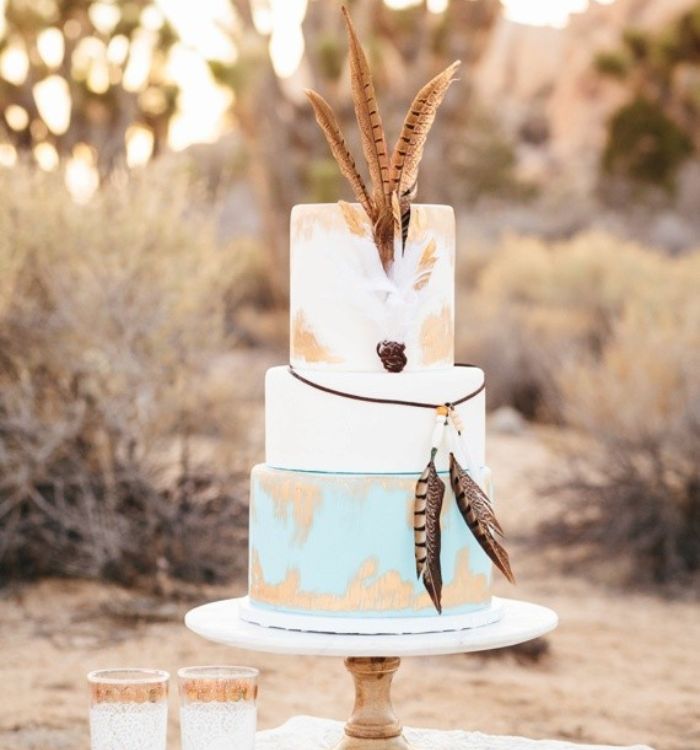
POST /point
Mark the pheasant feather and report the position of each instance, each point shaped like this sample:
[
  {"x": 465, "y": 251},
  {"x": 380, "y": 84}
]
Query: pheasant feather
[
  {"x": 329, "y": 125},
  {"x": 419, "y": 506},
  {"x": 383, "y": 231},
  {"x": 397, "y": 235},
  {"x": 408, "y": 150},
  {"x": 432, "y": 574},
  {"x": 476, "y": 509},
  {"x": 396, "y": 175},
  {"x": 368, "y": 118}
]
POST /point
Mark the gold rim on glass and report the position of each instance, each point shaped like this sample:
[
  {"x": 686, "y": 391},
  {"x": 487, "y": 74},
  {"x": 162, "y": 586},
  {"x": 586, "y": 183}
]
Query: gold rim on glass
[
  {"x": 128, "y": 685},
  {"x": 218, "y": 683}
]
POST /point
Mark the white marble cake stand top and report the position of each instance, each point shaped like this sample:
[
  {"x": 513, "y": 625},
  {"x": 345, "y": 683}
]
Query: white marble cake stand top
[{"x": 221, "y": 622}]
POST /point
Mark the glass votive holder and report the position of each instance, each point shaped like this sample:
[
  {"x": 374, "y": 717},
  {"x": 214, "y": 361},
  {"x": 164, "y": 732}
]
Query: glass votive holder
[
  {"x": 217, "y": 707},
  {"x": 128, "y": 709}
]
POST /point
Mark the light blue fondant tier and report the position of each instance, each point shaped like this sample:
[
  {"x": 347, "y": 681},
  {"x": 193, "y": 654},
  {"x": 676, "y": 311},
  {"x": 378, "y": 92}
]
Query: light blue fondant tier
[{"x": 342, "y": 544}]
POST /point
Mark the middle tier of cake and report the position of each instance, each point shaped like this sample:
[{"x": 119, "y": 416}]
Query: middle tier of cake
[
  {"x": 342, "y": 545},
  {"x": 308, "y": 429}
]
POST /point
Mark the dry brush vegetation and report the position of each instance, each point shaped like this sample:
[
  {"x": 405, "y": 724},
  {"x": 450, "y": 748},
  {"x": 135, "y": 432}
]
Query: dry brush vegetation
[
  {"x": 113, "y": 314},
  {"x": 109, "y": 316},
  {"x": 603, "y": 336}
]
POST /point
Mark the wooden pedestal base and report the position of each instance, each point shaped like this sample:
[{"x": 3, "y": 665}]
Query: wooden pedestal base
[{"x": 373, "y": 724}]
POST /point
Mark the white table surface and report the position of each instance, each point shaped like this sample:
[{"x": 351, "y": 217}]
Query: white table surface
[
  {"x": 309, "y": 733},
  {"x": 220, "y": 622}
]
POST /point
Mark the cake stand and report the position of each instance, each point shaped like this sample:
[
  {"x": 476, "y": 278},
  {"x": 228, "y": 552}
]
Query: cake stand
[{"x": 372, "y": 660}]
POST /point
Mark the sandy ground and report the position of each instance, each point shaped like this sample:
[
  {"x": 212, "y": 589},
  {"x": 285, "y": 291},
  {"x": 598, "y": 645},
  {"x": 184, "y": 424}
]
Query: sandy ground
[{"x": 622, "y": 668}]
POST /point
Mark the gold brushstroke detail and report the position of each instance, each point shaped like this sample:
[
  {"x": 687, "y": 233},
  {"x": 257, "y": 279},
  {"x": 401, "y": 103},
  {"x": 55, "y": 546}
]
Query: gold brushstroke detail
[
  {"x": 356, "y": 220},
  {"x": 367, "y": 592},
  {"x": 310, "y": 219},
  {"x": 291, "y": 496},
  {"x": 436, "y": 337},
  {"x": 432, "y": 222},
  {"x": 306, "y": 346},
  {"x": 426, "y": 263}
]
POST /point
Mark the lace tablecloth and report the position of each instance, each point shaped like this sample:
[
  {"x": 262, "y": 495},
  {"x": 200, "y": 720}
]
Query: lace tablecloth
[{"x": 309, "y": 733}]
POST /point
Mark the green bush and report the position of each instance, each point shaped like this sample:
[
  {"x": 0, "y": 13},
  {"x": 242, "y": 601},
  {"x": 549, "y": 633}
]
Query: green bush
[
  {"x": 644, "y": 144},
  {"x": 651, "y": 135},
  {"x": 613, "y": 64}
]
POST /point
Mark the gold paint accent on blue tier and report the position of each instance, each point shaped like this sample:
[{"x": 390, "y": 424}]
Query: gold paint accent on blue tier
[{"x": 342, "y": 544}]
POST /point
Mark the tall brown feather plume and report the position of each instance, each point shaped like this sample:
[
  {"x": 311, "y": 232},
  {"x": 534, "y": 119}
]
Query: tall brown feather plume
[
  {"x": 331, "y": 129},
  {"x": 476, "y": 509},
  {"x": 432, "y": 573},
  {"x": 368, "y": 118},
  {"x": 408, "y": 150},
  {"x": 373, "y": 143},
  {"x": 388, "y": 176}
]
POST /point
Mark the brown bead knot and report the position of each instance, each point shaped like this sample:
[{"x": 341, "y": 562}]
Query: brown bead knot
[{"x": 392, "y": 355}]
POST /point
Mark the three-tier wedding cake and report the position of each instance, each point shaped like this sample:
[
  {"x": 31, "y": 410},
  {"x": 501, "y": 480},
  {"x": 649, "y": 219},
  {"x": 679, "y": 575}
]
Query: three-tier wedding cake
[{"x": 372, "y": 512}]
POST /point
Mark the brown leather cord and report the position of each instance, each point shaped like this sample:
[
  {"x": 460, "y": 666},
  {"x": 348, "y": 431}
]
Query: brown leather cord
[{"x": 391, "y": 401}]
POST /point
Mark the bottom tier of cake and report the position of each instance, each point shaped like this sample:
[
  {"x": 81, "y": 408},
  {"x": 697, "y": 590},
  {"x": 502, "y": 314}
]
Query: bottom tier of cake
[{"x": 341, "y": 545}]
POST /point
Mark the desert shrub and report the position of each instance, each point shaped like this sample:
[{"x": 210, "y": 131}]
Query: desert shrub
[
  {"x": 110, "y": 315},
  {"x": 613, "y": 64},
  {"x": 484, "y": 162},
  {"x": 602, "y": 336},
  {"x": 646, "y": 145},
  {"x": 535, "y": 305},
  {"x": 652, "y": 134},
  {"x": 634, "y": 481}
]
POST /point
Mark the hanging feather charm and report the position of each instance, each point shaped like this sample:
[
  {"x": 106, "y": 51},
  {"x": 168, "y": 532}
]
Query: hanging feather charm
[
  {"x": 432, "y": 573},
  {"x": 421, "y": 495},
  {"x": 476, "y": 509},
  {"x": 430, "y": 491},
  {"x": 419, "y": 505}
]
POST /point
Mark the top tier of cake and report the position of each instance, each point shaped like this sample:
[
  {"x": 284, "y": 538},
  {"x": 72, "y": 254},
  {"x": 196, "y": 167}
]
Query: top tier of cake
[{"x": 345, "y": 307}]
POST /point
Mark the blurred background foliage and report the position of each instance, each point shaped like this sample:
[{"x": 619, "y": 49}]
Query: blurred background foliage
[
  {"x": 84, "y": 75},
  {"x": 143, "y": 277},
  {"x": 650, "y": 137}
]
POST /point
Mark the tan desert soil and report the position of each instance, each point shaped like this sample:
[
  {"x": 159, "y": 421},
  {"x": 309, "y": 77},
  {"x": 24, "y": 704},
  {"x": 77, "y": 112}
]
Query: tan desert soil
[{"x": 622, "y": 667}]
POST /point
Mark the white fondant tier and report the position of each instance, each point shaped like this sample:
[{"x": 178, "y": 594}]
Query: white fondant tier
[
  {"x": 310, "y": 430},
  {"x": 343, "y": 303}
]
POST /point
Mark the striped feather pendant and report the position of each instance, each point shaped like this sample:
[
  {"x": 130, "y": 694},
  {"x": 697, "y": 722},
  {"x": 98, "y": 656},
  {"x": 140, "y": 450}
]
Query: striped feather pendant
[
  {"x": 432, "y": 573},
  {"x": 476, "y": 509},
  {"x": 430, "y": 491},
  {"x": 419, "y": 506}
]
